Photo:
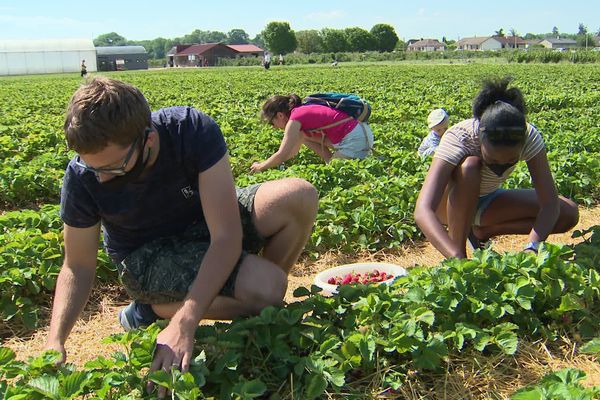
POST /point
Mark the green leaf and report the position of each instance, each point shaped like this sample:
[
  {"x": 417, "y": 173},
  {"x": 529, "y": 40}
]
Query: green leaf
[
  {"x": 530, "y": 394},
  {"x": 507, "y": 341},
  {"x": 250, "y": 389},
  {"x": 73, "y": 384},
  {"x": 314, "y": 387},
  {"x": 6, "y": 355},
  {"x": 570, "y": 302},
  {"x": 46, "y": 385},
  {"x": 592, "y": 347},
  {"x": 301, "y": 292},
  {"x": 161, "y": 378}
]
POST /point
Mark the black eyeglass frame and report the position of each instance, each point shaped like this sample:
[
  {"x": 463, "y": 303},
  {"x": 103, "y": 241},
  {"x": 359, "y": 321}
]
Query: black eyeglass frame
[{"x": 118, "y": 171}]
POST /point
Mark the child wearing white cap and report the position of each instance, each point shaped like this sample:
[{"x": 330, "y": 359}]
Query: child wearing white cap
[{"x": 437, "y": 122}]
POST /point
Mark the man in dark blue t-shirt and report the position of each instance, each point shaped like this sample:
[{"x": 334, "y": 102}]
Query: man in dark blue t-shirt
[{"x": 185, "y": 241}]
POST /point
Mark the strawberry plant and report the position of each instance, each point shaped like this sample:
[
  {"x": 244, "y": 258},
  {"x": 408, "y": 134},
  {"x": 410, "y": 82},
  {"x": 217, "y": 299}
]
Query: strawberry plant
[{"x": 331, "y": 344}]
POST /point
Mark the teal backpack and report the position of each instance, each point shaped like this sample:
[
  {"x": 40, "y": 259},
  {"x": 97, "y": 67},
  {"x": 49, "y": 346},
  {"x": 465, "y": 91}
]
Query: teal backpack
[{"x": 350, "y": 104}]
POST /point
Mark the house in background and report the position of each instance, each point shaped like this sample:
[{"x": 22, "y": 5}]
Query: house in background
[
  {"x": 203, "y": 55},
  {"x": 427, "y": 45},
  {"x": 558, "y": 43},
  {"x": 247, "y": 50},
  {"x": 482, "y": 43},
  {"x": 511, "y": 42},
  {"x": 208, "y": 54},
  {"x": 121, "y": 58}
]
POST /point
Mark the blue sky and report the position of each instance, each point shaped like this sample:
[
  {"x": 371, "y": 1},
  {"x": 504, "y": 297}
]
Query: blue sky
[{"x": 23, "y": 19}]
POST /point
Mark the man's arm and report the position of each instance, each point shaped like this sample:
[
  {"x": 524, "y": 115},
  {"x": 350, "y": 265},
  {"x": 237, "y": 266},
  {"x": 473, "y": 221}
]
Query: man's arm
[
  {"x": 74, "y": 283},
  {"x": 220, "y": 207}
]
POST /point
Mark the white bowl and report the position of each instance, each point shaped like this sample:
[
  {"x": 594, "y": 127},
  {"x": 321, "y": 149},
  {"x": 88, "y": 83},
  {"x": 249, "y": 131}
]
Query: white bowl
[{"x": 361, "y": 268}]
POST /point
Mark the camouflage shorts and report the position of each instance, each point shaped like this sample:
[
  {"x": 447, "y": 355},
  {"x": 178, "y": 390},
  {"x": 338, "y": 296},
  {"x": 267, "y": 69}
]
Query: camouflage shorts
[{"x": 163, "y": 270}]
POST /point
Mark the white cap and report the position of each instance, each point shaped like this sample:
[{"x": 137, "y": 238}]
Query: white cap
[{"x": 435, "y": 117}]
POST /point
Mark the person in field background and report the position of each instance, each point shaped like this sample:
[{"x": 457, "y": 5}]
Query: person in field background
[
  {"x": 327, "y": 131},
  {"x": 462, "y": 188},
  {"x": 437, "y": 123},
  {"x": 184, "y": 239}
]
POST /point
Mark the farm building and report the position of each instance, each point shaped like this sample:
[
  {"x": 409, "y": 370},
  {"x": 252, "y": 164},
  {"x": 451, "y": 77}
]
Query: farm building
[
  {"x": 198, "y": 55},
  {"x": 24, "y": 57},
  {"x": 511, "y": 42},
  {"x": 427, "y": 45},
  {"x": 121, "y": 58},
  {"x": 478, "y": 43},
  {"x": 558, "y": 43},
  {"x": 247, "y": 50}
]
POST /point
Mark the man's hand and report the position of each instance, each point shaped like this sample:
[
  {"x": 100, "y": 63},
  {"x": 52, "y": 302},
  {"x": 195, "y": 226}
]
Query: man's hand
[
  {"x": 256, "y": 167},
  {"x": 56, "y": 346},
  {"x": 174, "y": 347}
]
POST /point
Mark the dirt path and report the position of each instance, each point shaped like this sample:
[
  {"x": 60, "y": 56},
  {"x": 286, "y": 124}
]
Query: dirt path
[{"x": 99, "y": 321}]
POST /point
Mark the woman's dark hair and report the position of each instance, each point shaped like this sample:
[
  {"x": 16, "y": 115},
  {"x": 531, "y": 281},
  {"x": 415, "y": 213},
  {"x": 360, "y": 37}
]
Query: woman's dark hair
[
  {"x": 275, "y": 104},
  {"x": 501, "y": 113}
]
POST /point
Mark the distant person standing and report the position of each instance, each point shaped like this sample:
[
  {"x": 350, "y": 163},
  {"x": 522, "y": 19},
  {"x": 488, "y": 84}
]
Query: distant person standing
[
  {"x": 267, "y": 60},
  {"x": 281, "y": 59},
  {"x": 83, "y": 69}
]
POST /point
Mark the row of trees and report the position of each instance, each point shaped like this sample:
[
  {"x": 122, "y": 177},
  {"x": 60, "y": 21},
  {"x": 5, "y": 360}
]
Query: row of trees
[
  {"x": 280, "y": 38},
  {"x": 277, "y": 37}
]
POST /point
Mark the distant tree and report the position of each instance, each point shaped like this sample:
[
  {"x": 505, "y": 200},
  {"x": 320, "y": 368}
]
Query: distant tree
[
  {"x": 159, "y": 47},
  {"x": 199, "y": 36},
  {"x": 110, "y": 39},
  {"x": 582, "y": 30},
  {"x": 555, "y": 31},
  {"x": 586, "y": 41},
  {"x": 309, "y": 41},
  {"x": 279, "y": 37},
  {"x": 499, "y": 32},
  {"x": 237, "y": 36},
  {"x": 215, "y": 37},
  {"x": 443, "y": 39},
  {"x": 359, "y": 39},
  {"x": 385, "y": 37},
  {"x": 334, "y": 40},
  {"x": 598, "y": 32},
  {"x": 400, "y": 45},
  {"x": 258, "y": 41}
]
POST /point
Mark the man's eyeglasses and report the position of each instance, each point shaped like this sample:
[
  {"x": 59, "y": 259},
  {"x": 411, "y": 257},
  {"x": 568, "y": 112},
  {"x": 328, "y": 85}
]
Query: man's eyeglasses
[{"x": 117, "y": 171}]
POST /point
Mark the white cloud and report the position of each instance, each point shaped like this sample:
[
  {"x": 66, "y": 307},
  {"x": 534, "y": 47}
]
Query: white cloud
[
  {"x": 421, "y": 12},
  {"x": 324, "y": 16}
]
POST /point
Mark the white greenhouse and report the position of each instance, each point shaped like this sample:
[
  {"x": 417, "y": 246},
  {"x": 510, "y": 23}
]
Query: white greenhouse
[{"x": 25, "y": 57}]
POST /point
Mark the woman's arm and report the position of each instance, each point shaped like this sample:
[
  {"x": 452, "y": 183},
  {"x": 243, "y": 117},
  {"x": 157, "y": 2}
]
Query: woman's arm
[
  {"x": 290, "y": 146},
  {"x": 321, "y": 150},
  {"x": 547, "y": 195},
  {"x": 428, "y": 201}
]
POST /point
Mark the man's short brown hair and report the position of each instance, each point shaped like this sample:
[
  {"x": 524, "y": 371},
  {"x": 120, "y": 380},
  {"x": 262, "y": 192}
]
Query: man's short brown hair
[{"x": 105, "y": 111}]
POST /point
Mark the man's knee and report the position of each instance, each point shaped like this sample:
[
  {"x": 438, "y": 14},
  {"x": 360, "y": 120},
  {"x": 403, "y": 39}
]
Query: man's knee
[
  {"x": 304, "y": 197},
  {"x": 269, "y": 293}
]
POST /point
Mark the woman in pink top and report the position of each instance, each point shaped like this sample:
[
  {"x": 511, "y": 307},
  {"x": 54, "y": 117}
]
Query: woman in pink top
[{"x": 328, "y": 132}]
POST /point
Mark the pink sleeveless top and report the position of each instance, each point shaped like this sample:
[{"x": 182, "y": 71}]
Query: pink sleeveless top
[{"x": 314, "y": 116}]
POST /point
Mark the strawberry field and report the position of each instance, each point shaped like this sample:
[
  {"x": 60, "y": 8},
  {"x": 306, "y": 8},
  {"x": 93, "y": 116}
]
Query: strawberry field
[{"x": 318, "y": 345}]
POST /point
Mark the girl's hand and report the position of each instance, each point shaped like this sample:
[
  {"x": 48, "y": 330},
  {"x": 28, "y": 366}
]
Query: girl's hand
[{"x": 256, "y": 167}]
